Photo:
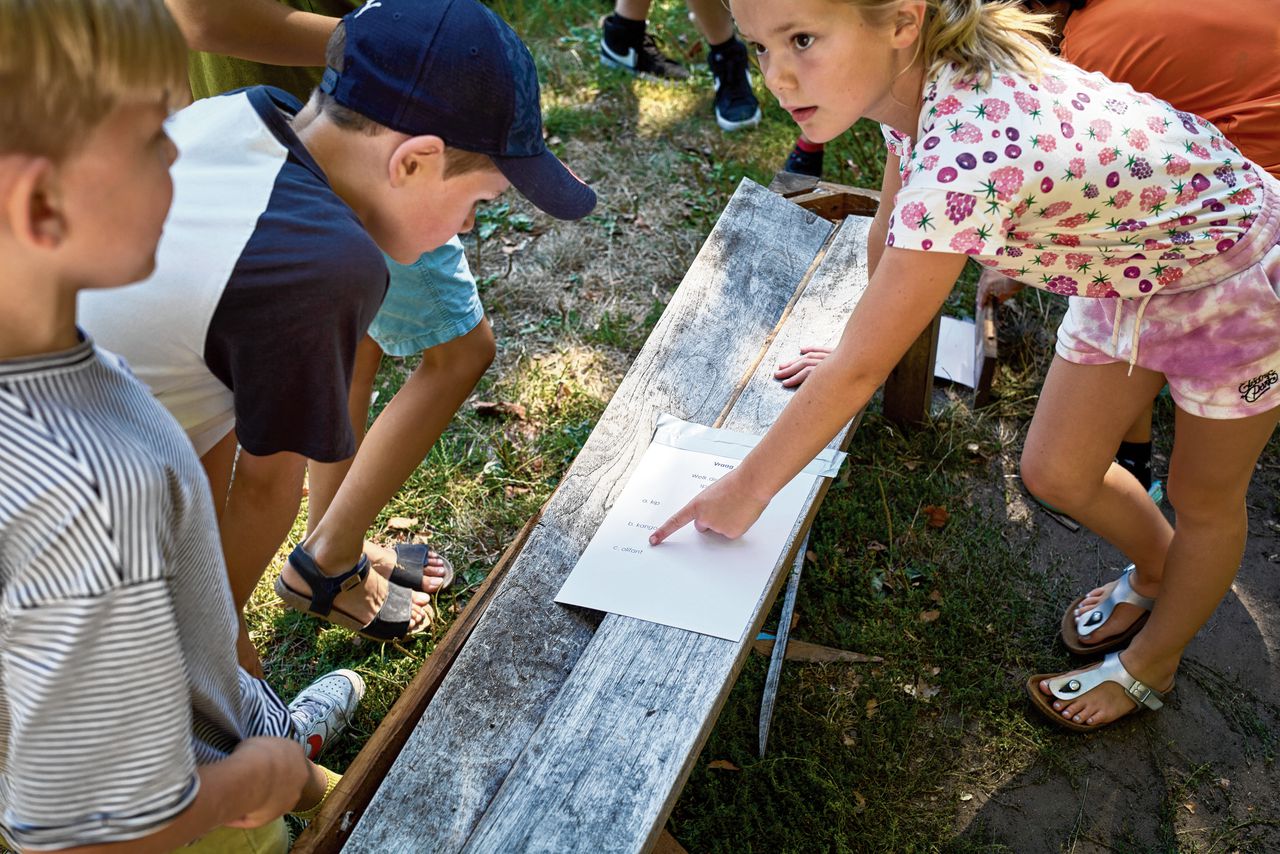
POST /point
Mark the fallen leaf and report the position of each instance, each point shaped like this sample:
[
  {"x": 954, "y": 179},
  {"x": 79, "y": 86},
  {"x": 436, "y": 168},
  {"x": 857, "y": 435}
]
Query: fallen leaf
[
  {"x": 811, "y": 556},
  {"x": 1189, "y": 807},
  {"x": 874, "y": 546},
  {"x": 723, "y": 765},
  {"x": 934, "y": 671},
  {"x": 872, "y": 705},
  {"x": 401, "y": 523},
  {"x": 935, "y": 596},
  {"x": 966, "y": 797},
  {"x": 1224, "y": 783},
  {"x": 555, "y": 140},
  {"x": 930, "y": 616},
  {"x": 860, "y": 800},
  {"x": 494, "y": 408},
  {"x": 937, "y": 516},
  {"x": 513, "y": 491}
]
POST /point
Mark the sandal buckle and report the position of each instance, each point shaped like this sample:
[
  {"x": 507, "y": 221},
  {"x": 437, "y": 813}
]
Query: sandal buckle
[{"x": 351, "y": 581}]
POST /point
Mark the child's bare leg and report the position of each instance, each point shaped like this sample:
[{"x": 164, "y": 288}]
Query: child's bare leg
[
  {"x": 1068, "y": 462},
  {"x": 218, "y": 462},
  {"x": 1213, "y": 461},
  {"x": 323, "y": 479},
  {"x": 1140, "y": 429},
  {"x": 713, "y": 20},
  {"x": 636, "y": 10},
  {"x": 261, "y": 506},
  {"x": 398, "y": 441}
]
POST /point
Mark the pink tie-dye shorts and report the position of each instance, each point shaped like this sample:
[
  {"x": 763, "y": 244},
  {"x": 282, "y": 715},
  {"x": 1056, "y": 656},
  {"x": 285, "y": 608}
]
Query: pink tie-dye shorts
[{"x": 1217, "y": 340}]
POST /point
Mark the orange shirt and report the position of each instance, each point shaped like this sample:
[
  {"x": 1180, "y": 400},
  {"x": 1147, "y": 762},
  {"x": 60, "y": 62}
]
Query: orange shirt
[{"x": 1215, "y": 59}]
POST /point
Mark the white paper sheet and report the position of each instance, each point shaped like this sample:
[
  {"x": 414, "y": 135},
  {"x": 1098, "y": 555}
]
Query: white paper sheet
[
  {"x": 700, "y": 582},
  {"x": 957, "y": 349}
]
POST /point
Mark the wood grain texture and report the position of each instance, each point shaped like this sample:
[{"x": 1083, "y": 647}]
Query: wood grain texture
[
  {"x": 327, "y": 832},
  {"x": 909, "y": 388},
  {"x": 605, "y": 767},
  {"x": 520, "y": 654}
]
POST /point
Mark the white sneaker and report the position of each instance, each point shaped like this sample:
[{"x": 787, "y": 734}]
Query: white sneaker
[{"x": 323, "y": 709}]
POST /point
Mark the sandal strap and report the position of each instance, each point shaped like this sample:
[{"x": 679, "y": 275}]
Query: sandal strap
[
  {"x": 1111, "y": 670},
  {"x": 1122, "y": 592},
  {"x": 325, "y": 588},
  {"x": 394, "y": 617}
]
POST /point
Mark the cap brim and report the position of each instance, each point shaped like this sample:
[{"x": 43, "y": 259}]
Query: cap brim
[{"x": 549, "y": 184}]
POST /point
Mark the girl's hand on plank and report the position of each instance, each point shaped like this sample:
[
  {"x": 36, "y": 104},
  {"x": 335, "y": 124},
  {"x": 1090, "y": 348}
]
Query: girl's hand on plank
[{"x": 797, "y": 370}]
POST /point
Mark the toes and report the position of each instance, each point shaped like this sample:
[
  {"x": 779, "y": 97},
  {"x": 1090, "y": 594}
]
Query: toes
[{"x": 1044, "y": 689}]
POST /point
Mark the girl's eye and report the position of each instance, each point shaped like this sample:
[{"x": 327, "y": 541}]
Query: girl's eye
[
  {"x": 802, "y": 41},
  {"x": 758, "y": 48}
]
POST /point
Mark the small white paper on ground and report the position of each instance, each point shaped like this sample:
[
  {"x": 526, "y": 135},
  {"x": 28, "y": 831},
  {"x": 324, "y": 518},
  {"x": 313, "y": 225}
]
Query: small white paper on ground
[
  {"x": 957, "y": 348},
  {"x": 700, "y": 582}
]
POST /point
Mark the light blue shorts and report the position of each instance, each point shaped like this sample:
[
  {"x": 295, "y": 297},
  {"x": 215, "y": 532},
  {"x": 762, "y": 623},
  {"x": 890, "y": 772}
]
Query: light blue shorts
[{"x": 428, "y": 302}]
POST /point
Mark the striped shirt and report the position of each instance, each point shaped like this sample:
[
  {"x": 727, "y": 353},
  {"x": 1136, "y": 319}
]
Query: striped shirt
[{"x": 118, "y": 673}]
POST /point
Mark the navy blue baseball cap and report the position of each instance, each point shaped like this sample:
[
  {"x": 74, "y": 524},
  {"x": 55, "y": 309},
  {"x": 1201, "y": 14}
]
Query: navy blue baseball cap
[{"x": 454, "y": 69}]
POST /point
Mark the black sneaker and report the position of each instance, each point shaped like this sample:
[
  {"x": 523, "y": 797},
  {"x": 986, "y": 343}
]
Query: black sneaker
[
  {"x": 803, "y": 162},
  {"x": 627, "y": 45},
  {"x": 736, "y": 104}
]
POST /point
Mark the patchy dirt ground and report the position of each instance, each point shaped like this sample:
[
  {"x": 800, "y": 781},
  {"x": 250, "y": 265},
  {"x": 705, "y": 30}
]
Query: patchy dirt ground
[{"x": 1199, "y": 775}]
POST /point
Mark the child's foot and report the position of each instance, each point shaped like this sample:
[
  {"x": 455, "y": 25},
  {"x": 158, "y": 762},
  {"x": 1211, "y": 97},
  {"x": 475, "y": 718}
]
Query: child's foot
[
  {"x": 1107, "y": 702},
  {"x": 322, "y": 710},
  {"x": 361, "y": 603},
  {"x": 736, "y": 104},
  {"x": 626, "y": 44},
  {"x": 1124, "y": 615},
  {"x": 804, "y": 161},
  {"x": 384, "y": 560}
]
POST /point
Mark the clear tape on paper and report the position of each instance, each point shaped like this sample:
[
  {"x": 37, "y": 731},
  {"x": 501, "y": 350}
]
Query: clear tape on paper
[{"x": 685, "y": 435}]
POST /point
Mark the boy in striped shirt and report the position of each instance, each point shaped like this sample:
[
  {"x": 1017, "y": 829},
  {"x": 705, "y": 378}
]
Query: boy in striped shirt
[{"x": 125, "y": 721}]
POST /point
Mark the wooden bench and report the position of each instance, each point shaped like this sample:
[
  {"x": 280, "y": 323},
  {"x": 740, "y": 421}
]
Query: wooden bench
[{"x": 541, "y": 727}]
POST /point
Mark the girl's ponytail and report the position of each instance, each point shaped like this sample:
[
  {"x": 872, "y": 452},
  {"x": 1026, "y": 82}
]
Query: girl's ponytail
[
  {"x": 976, "y": 36},
  {"x": 980, "y": 36}
]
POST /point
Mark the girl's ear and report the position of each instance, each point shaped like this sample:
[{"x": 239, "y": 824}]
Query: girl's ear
[
  {"x": 908, "y": 23},
  {"x": 415, "y": 157},
  {"x": 30, "y": 203}
]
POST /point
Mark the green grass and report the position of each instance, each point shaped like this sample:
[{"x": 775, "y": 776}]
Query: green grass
[{"x": 861, "y": 757}]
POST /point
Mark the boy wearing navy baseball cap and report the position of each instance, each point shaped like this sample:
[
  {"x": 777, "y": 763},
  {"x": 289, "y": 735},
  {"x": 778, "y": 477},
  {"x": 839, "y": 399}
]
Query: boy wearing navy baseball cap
[{"x": 254, "y": 329}]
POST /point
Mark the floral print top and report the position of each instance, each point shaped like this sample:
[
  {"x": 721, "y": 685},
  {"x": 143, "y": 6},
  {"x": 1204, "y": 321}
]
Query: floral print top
[{"x": 1073, "y": 183}]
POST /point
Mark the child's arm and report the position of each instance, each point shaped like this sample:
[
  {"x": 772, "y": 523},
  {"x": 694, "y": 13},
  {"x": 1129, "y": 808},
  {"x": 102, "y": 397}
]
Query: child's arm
[
  {"x": 259, "y": 782},
  {"x": 890, "y": 184},
  {"x": 257, "y": 30},
  {"x": 107, "y": 664},
  {"x": 796, "y": 371},
  {"x": 905, "y": 293}
]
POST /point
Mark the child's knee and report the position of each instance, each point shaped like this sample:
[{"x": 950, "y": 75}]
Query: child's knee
[
  {"x": 470, "y": 354},
  {"x": 1050, "y": 479}
]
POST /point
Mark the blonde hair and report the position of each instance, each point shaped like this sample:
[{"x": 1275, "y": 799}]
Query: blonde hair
[
  {"x": 66, "y": 64},
  {"x": 976, "y": 36}
]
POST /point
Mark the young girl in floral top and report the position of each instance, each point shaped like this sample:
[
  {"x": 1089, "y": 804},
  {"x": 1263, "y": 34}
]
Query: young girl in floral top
[{"x": 1160, "y": 232}]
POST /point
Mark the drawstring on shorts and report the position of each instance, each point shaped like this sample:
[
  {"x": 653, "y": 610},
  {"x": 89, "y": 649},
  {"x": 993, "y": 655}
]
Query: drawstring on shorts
[{"x": 1137, "y": 325}]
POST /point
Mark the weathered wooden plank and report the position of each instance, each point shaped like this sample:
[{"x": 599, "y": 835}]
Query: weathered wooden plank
[
  {"x": 987, "y": 351},
  {"x": 327, "y": 832},
  {"x": 523, "y": 649},
  {"x": 607, "y": 763},
  {"x": 909, "y": 388}
]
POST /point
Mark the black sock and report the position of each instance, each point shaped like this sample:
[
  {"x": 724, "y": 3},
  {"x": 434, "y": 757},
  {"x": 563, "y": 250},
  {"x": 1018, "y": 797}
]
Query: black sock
[
  {"x": 723, "y": 46},
  {"x": 1136, "y": 457},
  {"x": 628, "y": 25}
]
